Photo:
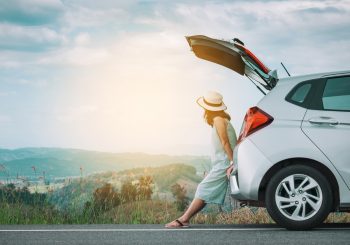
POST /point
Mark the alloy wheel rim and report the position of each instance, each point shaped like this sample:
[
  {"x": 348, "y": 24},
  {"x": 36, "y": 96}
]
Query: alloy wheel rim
[{"x": 298, "y": 197}]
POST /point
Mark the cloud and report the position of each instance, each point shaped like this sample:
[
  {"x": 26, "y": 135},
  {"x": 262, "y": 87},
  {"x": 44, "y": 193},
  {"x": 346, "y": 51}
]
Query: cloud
[
  {"x": 320, "y": 10},
  {"x": 80, "y": 15},
  {"x": 289, "y": 31},
  {"x": 39, "y": 83},
  {"x": 82, "y": 39},
  {"x": 41, "y": 52},
  {"x": 30, "y": 12},
  {"x": 5, "y": 119},
  {"x": 112, "y": 68},
  {"x": 75, "y": 56},
  {"x": 274, "y": 29},
  {"x": 7, "y": 93},
  {"x": 76, "y": 113},
  {"x": 15, "y": 37}
]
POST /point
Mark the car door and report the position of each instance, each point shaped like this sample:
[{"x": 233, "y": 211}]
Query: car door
[
  {"x": 235, "y": 56},
  {"x": 328, "y": 124}
]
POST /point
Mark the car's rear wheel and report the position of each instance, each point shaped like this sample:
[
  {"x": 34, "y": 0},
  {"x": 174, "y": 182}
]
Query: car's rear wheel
[{"x": 298, "y": 197}]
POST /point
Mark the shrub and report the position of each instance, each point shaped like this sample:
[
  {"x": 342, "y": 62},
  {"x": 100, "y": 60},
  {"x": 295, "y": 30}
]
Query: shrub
[
  {"x": 105, "y": 198},
  {"x": 128, "y": 192},
  {"x": 145, "y": 187},
  {"x": 179, "y": 192}
]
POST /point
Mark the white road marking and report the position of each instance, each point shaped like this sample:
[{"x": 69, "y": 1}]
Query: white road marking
[
  {"x": 145, "y": 230},
  {"x": 179, "y": 229}
]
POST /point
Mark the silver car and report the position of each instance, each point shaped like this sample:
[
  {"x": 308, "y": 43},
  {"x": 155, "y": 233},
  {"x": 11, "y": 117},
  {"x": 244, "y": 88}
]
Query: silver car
[{"x": 293, "y": 152}]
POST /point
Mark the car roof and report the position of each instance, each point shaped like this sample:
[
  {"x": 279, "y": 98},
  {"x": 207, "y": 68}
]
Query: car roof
[{"x": 314, "y": 76}]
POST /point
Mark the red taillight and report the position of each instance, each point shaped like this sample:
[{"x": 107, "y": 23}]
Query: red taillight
[{"x": 254, "y": 120}]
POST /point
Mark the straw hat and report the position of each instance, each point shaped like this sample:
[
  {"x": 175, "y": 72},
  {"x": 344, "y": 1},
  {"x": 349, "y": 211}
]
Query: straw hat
[{"x": 212, "y": 101}]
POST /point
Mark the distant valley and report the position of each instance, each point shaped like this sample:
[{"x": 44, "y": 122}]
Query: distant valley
[
  {"x": 75, "y": 193},
  {"x": 61, "y": 162}
]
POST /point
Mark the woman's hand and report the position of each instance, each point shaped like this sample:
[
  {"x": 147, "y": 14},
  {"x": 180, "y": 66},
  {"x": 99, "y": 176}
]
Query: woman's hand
[{"x": 229, "y": 171}]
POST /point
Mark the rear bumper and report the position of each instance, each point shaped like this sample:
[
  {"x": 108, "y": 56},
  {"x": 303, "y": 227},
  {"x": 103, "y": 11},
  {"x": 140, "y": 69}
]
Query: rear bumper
[{"x": 252, "y": 166}]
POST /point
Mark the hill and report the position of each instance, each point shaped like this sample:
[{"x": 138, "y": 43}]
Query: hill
[
  {"x": 75, "y": 194},
  {"x": 60, "y": 162}
]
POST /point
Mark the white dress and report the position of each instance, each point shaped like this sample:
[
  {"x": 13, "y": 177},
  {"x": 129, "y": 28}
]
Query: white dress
[{"x": 212, "y": 189}]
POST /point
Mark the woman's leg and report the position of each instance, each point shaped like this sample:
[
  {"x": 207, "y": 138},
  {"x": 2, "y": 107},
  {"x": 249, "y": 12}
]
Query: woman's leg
[{"x": 195, "y": 206}]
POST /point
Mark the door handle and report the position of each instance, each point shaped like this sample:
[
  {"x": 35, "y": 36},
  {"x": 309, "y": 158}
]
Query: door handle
[{"x": 323, "y": 121}]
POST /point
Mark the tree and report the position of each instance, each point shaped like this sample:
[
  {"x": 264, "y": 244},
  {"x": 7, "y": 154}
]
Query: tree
[
  {"x": 181, "y": 200},
  {"x": 128, "y": 192},
  {"x": 144, "y": 187}
]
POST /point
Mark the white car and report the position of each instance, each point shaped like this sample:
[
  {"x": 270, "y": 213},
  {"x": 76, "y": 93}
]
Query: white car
[{"x": 293, "y": 152}]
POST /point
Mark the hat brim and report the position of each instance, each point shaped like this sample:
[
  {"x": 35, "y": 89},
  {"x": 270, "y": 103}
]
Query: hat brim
[{"x": 201, "y": 103}]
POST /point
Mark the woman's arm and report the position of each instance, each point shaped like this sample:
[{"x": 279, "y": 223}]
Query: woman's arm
[{"x": 221, "y": 127}]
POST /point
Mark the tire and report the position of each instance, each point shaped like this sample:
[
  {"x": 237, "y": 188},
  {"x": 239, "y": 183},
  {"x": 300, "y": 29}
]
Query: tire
[{"x": 302, "y": 207}]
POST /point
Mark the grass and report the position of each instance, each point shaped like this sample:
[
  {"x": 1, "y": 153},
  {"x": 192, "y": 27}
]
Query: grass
[
  {"x": 25, "y": 214},
  {"x": 338, "y": 218},
  {"x": 245, "y": 216},
  {"x": 139, "y": 212},
  {"x": 144, "y": 212},
  {"x": 19, "y": 206}
]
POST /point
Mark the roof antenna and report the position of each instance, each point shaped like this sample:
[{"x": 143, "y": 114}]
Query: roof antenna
[{"x": 285, "y": 69}]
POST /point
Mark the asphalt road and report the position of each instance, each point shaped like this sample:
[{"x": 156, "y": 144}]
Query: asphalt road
[{"x": 155, "y": 234}]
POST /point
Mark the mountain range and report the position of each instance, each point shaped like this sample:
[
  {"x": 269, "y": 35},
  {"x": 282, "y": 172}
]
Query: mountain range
[{"x": 62, "y": 162}]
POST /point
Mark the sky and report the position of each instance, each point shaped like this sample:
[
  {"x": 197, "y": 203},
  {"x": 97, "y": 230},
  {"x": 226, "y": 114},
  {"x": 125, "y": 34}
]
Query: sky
[{"x": 119, "y": 76}]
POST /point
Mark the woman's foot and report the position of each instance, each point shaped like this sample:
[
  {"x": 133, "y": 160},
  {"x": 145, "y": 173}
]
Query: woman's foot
[{"x": 177, "y": 224}]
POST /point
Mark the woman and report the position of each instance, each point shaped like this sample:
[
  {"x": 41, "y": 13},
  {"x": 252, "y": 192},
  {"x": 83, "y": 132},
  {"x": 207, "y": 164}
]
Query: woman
[{"x": 213, "y": 187}]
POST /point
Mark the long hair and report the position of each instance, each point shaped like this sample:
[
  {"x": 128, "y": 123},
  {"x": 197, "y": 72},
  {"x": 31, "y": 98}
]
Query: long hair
[{"x": 210, "y": 115}]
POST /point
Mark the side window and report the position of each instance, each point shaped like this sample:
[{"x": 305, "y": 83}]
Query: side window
[
  {"x": 301, "y": 93},
  {"x": 336, "y": 94}
]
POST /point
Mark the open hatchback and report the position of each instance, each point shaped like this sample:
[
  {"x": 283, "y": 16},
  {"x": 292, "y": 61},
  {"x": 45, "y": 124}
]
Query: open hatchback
[{"x": 235, "y": 56}]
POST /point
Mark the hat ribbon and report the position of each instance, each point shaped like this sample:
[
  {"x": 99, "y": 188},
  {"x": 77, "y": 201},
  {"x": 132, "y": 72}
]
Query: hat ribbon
[{"x": 211, "y": 104}]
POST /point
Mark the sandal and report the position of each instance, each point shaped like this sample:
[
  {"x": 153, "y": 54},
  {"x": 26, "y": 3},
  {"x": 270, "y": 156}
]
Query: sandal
[{"x": 179, "y": 225}]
